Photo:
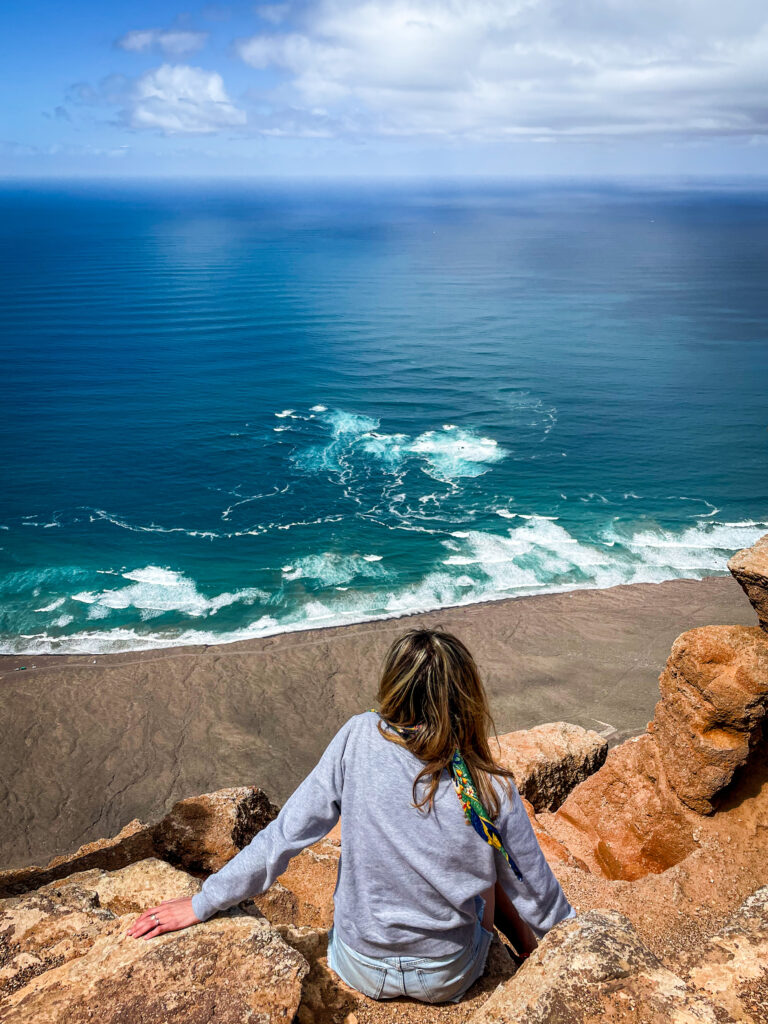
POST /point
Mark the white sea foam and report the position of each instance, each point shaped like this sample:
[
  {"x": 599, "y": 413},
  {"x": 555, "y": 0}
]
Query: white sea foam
[
  {"x": 535, "y": 553},
  {"x": 319, "y": 408},
  {"x": 124, "y": 639},
  {"x": 543, "y": 554},
  {"x": 456, "y": 453},
  {"x": 99, "y": 513},
  {"x": 156, "y": 576},
  {"x": 155, "y": 591},
  {"x": 284, "y": 413},
  {"x": 331, "y": 568},
  {"x": 446, "y": 455},
  {"x": 344, "y": 423},
  {"x": 530, "y": 414},
  {"x": 254, "y": 531}
]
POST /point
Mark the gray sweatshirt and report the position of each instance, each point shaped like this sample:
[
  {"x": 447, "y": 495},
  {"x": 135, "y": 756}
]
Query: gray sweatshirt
[{"x": 407, "y": 879}]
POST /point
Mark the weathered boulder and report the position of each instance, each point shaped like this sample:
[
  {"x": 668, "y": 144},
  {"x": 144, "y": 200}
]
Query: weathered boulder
[
  {"x": 132, "y": 843},
  {"x": 625, "y": 821},
  {"x": 549, "y": 760},
  {"x": 45, "y": 929},
  {"x": 595, "y": 968},
  {"x": 201, "y": 834},
  {"x": 750, "y": 569},
  {"x": 131, "y": 889},
  {"x": 732, "y": 970},
  {"x": 67, "y": 958},
  {"x": 714, "y": 697}
]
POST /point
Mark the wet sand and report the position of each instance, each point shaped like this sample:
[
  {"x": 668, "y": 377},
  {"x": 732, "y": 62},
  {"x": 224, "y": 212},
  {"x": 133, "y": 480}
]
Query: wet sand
[{"x": 88, "y": 742}]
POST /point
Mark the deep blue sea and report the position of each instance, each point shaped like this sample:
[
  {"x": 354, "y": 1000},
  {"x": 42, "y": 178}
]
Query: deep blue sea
[{"x": 235, "y": 410}]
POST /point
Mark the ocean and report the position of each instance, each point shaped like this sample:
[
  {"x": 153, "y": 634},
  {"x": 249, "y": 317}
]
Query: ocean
[{"x": 233, "y": 409}]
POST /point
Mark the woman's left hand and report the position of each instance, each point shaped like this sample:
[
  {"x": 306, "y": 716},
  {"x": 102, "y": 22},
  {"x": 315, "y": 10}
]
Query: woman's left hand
[{"x": 168, "y": 916}]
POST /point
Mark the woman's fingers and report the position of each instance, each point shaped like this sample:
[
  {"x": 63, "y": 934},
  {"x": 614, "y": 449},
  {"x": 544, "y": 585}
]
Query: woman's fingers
[
  {"x": 145, "y": 922},
  {"x": 169, "y": 916},
  {"x": 141, "y": 920},
  {"x": 139, "y": 928}
]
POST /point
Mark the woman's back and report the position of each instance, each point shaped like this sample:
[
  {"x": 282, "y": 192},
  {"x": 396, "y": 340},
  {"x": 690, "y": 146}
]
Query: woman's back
[{"x": 407, "y": 878}]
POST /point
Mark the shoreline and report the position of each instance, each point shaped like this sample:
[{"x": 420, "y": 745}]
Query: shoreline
[
  {"x": 79, "y": 760},
  {"x": 302, "y": 628}
]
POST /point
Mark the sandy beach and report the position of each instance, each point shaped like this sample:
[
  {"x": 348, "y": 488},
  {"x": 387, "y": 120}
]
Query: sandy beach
[{"x": 89, "y": 742}]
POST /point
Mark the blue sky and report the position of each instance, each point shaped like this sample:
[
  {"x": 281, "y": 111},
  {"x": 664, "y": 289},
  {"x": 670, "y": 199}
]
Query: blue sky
[{"x": 385, "y": 88}]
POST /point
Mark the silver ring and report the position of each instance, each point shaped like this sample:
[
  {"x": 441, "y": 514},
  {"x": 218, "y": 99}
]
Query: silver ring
[{"x": 154, "y": 918}]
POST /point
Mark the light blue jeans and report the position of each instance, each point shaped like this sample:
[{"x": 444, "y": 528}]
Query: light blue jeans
[{"x": 429, "y": 979}]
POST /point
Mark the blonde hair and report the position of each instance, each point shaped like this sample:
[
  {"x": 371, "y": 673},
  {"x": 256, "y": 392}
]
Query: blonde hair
[{"x": 431, "y": 680}]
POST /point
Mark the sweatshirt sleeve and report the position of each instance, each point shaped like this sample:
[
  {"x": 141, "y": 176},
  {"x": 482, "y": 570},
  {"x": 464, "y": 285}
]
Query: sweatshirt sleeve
[
  {"x": 308, "y": 815},
  {"x": 539, "y": 898}
]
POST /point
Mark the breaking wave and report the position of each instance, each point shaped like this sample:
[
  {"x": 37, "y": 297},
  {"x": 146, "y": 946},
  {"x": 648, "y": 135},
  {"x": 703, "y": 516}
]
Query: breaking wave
[{"x": 333, "y": 588}]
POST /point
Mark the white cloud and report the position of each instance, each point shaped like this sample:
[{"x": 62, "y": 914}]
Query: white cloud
[
  {"x": 524, "y": 68},
  {"x": 177, "y": 99},
  {"x": 175, "y": 42}
]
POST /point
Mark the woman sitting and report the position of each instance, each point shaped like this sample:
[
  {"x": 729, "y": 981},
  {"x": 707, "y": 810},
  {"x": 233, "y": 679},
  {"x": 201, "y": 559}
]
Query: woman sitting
[{"x": 418, "y": 892}]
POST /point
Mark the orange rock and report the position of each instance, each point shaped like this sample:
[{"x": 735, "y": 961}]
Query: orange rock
[
  {"x": 638, "y": 813},
  {"x": 714, "y": 697},
  {"x": 552, "y": 849},
  {"x": 132, "y": 843},
  {"x": 625, "y": 821},
  {"x": 750, "y": 569},
  {"x": 305, "y": 893}
]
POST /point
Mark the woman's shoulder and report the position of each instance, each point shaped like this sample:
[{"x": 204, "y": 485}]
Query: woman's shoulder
[
  {"x": 365, "y": 718},
  {"x": 360, "y": 722}
]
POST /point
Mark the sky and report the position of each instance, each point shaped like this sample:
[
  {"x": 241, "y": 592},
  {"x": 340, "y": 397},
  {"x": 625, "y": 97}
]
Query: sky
[{"x": 384, "y": 88}]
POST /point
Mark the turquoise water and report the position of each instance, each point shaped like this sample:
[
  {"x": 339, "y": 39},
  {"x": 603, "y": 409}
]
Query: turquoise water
[{"x": 232, "y": 411}]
